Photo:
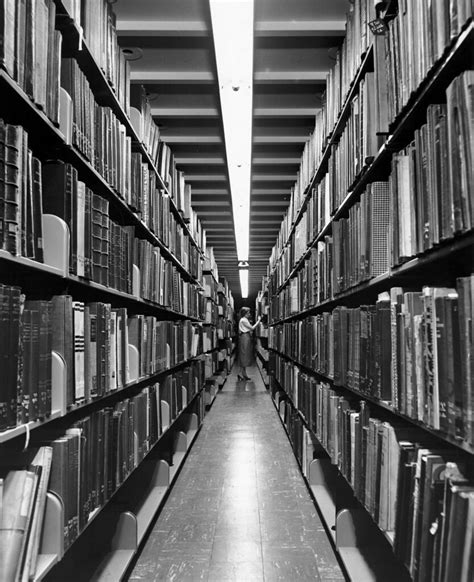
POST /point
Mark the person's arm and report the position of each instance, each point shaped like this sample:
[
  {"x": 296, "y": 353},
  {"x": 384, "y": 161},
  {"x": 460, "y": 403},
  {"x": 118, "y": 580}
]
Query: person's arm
[{"x": 259, "y": 319}]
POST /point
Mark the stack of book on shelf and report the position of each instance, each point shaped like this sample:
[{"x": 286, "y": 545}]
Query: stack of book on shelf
[
  {"x": 411, "y": 350},
  {"x": 83, "y": 466},
  {"x": 92, "y": 339}
]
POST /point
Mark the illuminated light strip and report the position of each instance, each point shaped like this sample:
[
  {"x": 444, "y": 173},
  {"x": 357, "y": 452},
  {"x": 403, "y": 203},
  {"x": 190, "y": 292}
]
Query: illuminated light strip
[
  {"x": 244, "y": 282},
  {"x": 232, "y": 28}
]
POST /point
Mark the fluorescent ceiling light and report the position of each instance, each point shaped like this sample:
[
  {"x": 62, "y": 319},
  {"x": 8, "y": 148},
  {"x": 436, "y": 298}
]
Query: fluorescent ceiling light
[
  {"x": 244, "y": 282},
  {"x": 232, "y": 28}
]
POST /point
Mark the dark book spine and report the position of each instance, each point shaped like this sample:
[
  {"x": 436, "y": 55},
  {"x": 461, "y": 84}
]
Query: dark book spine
[
  {"x": 15, "y": 138},
  {"x": 30, "y": 56}
]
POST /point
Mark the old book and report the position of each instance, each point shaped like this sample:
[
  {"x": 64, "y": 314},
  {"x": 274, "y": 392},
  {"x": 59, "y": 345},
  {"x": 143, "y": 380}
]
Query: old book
[
  {"x": 7, "y": 36},
  {"x": 37, "y": 209},
  {"x": 15, "y": 142},
  {"x": 59, "y": 194},
  {"x": 19, "y": 494},
  {"x": 91, "y": 344},
  {"x": 62, "y": 343},
  {"x": 79, "y": 348},
  {"x": 29, "y": 60},
  {"x": 454, "y": 477},
  {"x": 459, "y": 554},
  {"x": 464, "y": 396},
  {"x": 42, "y": 458}
]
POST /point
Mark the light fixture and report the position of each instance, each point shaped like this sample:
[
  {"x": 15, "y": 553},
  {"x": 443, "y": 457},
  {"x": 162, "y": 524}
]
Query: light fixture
[
  {"x": 244, "y": 283},
  {"x": 232, "y": 29}
]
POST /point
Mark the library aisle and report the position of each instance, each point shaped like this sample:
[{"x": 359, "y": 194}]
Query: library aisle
[{"x": 239, "y": 509}]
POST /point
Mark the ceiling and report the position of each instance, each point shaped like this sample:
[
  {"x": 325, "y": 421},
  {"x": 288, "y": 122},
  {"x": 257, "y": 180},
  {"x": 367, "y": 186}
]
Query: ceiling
[{"x": 293, "y": 42}]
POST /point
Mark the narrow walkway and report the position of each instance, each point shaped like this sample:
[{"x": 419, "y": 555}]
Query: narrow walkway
[{"x": 239, "y": 509}]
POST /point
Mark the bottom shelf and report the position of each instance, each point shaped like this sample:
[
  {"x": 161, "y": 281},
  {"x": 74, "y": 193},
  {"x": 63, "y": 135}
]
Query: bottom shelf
[
  {"x": 132, "y": 526},
  {"x": 263, "y": 374},
  {"x": 364, "y": 551}
]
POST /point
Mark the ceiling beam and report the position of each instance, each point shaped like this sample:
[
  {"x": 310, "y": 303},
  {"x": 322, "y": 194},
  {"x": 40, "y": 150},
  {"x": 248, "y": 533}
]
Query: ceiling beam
[
  {"x": 274, "y": 159},
  {"x": 162, "y": 112},
  {"x": 199, "y": 160},
  {"x": 211, "y": 203},
  {"x": 300, "y": 28},
  {"x": 284, "y": 111},
  {"x": 209, "y": 191},
  {"x": 273, "y": 177},
  {"x": 174, "y": 76},
  {"x": 162, "y": 28},
  {"x": 171, "y": 138},
  {"x": 271, "y": 139},
  {"x": 288, "y": 76},
  {"x": 190, "y": 177},
  {"x": 290, "y": 112},
  {"x": 269, "y": 204}
]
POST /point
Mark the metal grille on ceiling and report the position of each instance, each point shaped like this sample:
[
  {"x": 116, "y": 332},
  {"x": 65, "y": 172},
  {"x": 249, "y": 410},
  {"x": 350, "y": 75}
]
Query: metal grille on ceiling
[{"x": 293, "y": 42}]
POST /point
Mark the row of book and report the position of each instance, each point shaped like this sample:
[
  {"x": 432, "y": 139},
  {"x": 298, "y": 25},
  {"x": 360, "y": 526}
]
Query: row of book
[
  {"x": 21, "y": 230},
  {"x": 98, "y": 21},
  {"x": 93, "y": 340},
  {"x": 160, "y": 153},
  {"x": 411, "y": 349},
  {"x": 312, "y": 283},
  {"x": 83, "y": 466},
  {"x": 339, "y": 79},
  {"x": 358, "y": 143},
  {"x": 417, "y": 491},
  {"x": 371, "y": 110},
  {"x": 409, "y": 55},
  {"x": 360, "y": 242},
  {"x": 425, "y": 201},
  {"x": 161, "y": 283},
  {"x": 212, "y": 311},
  {"x": 153, "y": 206},
  {"x": 31, "y": 54},
  {"x": 100, "y": 250},
  {"x": 432, "y": 178},
  {"x": 31, "y": 51},
  {"x": 348, "y": 59},
  {"x": 96, "y": 131}
]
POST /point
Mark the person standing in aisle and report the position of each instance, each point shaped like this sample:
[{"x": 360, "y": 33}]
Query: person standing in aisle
[{"x": 245, "y": 342}]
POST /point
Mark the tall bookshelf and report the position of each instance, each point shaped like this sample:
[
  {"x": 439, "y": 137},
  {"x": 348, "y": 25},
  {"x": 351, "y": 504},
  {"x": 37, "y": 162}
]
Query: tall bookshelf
[
  {"x": 102, "y": 306},
  {"x": 370, "y": 294}
]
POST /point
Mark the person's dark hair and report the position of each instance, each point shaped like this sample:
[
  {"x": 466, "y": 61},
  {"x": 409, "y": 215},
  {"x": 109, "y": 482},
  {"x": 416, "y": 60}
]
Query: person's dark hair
[{"x": 244, "y": 311}]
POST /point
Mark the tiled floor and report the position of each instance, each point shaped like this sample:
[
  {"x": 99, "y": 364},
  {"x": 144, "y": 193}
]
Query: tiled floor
[{"x": 239, "y": 509}]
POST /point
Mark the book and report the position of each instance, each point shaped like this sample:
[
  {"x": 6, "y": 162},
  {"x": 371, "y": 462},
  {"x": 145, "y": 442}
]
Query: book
[{"x": 19, "y": 495}]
